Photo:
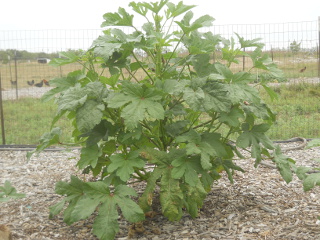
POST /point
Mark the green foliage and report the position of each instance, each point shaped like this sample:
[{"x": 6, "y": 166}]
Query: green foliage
[
  {"x": 85, "y": 198},
  {"x": 295, "y": 47},
  {"x": 171, "y": 119},
  {"x": 294, "y": 104},
  {"x": 7, "y": 192},
  {"x": 314, "y": 143},
  {"x": 313, "y": 179}
]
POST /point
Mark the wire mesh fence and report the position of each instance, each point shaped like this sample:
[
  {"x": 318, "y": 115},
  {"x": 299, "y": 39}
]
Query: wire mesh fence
[
  {"x": 24, "y": 69},
  {"x": 291, "y": 45}
]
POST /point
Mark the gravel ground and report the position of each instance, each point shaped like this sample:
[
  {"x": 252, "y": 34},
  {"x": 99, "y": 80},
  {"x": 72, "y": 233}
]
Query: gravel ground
[
  {"x": 34, "y": 92},
  {"x": 259, "y": 205}
]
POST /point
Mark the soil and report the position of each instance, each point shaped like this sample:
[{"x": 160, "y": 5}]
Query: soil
[{"x": 259, "y": 205}]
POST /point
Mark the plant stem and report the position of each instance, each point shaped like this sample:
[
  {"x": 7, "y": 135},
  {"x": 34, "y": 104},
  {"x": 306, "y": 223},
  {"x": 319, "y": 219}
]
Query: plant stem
[
  {"x": 145, "y": 125},
  {"x": 135, "y": 57},
  {"x": 202, "y": 124},
  {"x": 132, "y": 75},
  {"x": 158, "y": 59},
  {"x": 176, "y": 103},
  {"x": 219, "y": 125},
  {"x": 228, "y": 134},
  {"x": 163, "y": 134},
  {"x": 177, "y": 64},
  {"x": 165, "y": 68},
  {"x": 169, "y": 25},
  {"x": 142, "y": 177},
  {"x": 122, "y": 75}
]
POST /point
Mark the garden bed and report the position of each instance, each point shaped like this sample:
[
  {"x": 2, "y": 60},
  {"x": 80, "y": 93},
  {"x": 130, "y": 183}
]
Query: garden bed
[{"x": 259, "y": 205}]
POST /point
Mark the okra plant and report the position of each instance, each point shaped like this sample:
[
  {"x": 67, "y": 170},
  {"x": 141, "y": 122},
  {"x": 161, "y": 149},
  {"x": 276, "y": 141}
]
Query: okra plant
[{"x": 137, "y": 102}]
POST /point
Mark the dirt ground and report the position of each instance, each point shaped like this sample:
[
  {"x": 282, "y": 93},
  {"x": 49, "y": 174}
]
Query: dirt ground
[{"x": 259, "y": 205}]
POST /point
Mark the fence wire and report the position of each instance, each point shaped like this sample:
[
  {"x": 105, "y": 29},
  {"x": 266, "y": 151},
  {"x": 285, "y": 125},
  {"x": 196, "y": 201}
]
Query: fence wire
[{"x": 293, "y": 46}]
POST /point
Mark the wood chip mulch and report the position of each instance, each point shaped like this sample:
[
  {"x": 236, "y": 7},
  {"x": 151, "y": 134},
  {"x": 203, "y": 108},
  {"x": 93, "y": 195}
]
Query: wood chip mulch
[{"x": 259, "y": 205}]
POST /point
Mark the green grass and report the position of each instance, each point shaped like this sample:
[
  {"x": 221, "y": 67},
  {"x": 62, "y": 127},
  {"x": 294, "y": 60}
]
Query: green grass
[
  {"x": 297, "y": 109},
  {"x": 27, "y": 119},
  {"x": 293, "y": 70}
]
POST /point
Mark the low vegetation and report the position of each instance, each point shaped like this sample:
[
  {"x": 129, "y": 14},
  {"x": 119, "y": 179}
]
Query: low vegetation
[
  {"x": 8, "y": 192},
  {"x": 297, "y": 114},
  {"x": 26, "y": 120},
  {"x": 297, "y": 109}
]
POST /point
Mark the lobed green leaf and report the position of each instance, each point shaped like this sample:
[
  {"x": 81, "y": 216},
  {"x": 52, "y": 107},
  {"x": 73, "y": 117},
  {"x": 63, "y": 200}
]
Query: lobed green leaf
[
  {"x": 89, "y": 156},
  {"x": 106, "y": 225},
  {"x": 89, "y": 115},
  {"x": 176, "y": 10},
  {"x": 65, "y": 58},
  {"x": 130, "y": 210},
  {"x": 194, "y": 196},
  {"x": 187, "y": 28},
  {"x": 72, "y": 99},
  {"x": 47, "y": 140},
  {"x": 124, "y": 165},
  {"x": 84, "y": 208},
  {"x": 146, "y": 199},
  {"x": 171, "y": 196},
  {"x": 311, "y": 181},
  {"x": 73, "y": 189},
  {"x": 314, "y": 143},
  {"x": 7, "y": 192},
  {"x": 122, "y": 18},
  {"x": 283, "y": 164}
]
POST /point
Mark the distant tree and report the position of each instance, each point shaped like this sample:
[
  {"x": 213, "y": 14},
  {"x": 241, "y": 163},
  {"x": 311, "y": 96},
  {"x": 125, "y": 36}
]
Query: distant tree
[
  {"x": 295, "y": 47},
  {"x": 53, "y": 55},
  {"x": 75, "y": 51},
  {"x": 3, "y": 57}
]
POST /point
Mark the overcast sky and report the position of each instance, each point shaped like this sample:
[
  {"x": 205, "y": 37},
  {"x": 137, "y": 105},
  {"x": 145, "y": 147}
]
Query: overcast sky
[{"x": 77, "y": 14}]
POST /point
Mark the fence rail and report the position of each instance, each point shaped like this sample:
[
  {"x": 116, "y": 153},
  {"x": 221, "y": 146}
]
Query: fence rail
[{"x": 293, "y": 46}]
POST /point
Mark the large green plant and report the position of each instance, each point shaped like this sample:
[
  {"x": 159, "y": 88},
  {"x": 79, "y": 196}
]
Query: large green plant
[{"x": 184, "y": 116}]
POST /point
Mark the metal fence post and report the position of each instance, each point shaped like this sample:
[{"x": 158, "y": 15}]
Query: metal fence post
[
  {"x": 16, "y": 73},
  {"x": 2, "y": 116},
  {"x": 319, "y": 47}
]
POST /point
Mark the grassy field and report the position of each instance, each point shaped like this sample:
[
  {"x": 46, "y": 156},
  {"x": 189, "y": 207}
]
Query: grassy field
[
  {"x": 28, "y": 71},
  {"x": 298, "y": 111},
  {"x": 28, "y": 118},
  {"x": 24, "y": 70},
  {"x": 297, "y": 108}
]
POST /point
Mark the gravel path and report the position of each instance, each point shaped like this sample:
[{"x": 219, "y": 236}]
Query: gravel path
[
  {"x": 259, "y": 205},
  {"x": 34, "y": 92}
]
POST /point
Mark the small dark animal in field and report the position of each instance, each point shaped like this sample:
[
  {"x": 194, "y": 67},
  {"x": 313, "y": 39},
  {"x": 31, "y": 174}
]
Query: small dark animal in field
[
  {"x": 46, "y": 82},
  {"x": 13, "y": 83},
  {"x": 30, "y": 83},
  {"x": 303, "y": 69},
  {"x": 40, "y": 84}
]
